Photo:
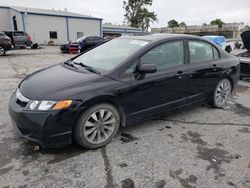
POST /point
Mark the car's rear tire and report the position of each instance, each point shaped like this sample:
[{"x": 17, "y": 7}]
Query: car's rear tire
[
  {"x": 221, "y": 93},
  {"x": 2, "y": 51},
  {"x": 97, "y": 126}
]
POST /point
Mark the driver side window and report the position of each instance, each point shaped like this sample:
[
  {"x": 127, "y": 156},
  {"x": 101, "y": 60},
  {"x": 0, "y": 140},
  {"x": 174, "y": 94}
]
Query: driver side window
[{"x": 165, "y": 55}]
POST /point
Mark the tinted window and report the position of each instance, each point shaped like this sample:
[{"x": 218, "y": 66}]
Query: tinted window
[
  {"x": 201, "y": 51},
  {"x": 165, "y": 55}
]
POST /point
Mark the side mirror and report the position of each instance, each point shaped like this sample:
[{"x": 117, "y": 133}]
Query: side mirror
[{"x": 147, "y": 68}]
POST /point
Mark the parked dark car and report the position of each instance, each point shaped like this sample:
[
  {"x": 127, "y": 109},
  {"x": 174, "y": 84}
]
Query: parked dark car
[
  {"x": 245, "y": 57},
  {"x": 19, "y": 38},
  {"x": 121, "y": 82},
  {"x": 5, "y": 44},
  {"x": 84, "y": 43}
]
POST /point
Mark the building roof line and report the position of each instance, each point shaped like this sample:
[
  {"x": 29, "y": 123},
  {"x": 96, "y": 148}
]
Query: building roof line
[{"x": 48, "y": 13}]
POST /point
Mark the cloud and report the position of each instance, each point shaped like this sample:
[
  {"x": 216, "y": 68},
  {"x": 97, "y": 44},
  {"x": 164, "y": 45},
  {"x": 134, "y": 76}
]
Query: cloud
[{"x": 193, "y": 12}]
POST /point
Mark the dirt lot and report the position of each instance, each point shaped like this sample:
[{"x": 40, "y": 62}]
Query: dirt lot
[{"x": 201, "y": 147}]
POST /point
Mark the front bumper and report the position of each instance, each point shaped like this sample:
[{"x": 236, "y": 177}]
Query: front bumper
[{"x": 47, "y": 128}]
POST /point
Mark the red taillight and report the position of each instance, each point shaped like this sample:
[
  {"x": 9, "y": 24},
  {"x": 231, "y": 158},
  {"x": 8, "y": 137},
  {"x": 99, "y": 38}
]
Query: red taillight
[{"x": 29, "y": 38}]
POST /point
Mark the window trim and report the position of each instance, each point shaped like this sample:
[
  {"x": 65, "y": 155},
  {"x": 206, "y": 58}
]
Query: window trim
[{"x": 200, "y": 40}]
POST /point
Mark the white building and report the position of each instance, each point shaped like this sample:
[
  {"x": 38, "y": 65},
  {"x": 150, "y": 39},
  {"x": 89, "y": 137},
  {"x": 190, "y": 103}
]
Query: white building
[{"x": 49, "y": 25}]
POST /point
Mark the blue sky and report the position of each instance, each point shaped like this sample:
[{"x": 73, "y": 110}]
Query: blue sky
[{"x": 193, "y": 12}]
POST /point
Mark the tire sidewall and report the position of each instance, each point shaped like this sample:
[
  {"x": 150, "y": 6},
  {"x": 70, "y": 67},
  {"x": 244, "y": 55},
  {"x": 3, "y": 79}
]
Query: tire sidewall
[
  {"x": 214, "y": 94},
  {"x": 78, "y": 133}
]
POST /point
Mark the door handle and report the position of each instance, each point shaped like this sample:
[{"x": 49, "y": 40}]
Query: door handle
[
  {"x": 180, "y": 74},
  {"x": 215, "y": 67}
]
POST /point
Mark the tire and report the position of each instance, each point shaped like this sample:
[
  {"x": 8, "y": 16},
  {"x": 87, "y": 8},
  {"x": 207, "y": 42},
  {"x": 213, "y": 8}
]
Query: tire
[
  {"x": 221, "y": 93},
  {"x": 2, "y": 51},
  {"x": 97, "y": 126}
]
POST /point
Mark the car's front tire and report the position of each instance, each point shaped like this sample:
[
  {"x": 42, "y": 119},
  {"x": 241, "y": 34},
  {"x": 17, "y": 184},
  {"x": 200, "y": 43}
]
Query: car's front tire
[
  {"x": 97, "y": 126},
  {"x": 221, "y": 93},
  {"x": 2, "y": 51}
]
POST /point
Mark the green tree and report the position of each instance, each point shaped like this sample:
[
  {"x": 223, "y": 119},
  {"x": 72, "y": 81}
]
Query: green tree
[
  {"x": 218, "y": 22},
  {"x": 182, "y": 24},
  {"x": 173, "y": 23},
  {"x": 137, "y": 13}
]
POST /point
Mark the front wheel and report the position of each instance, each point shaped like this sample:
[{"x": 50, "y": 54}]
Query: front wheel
[
  {"x": 97, "y": 126},
  {"x": 222, "y": 93},
  {"x": 2, "y": 51}
]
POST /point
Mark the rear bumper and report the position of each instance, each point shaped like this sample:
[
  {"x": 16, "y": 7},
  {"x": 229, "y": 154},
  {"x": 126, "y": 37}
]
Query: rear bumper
[{"x": 47, "y": 128}]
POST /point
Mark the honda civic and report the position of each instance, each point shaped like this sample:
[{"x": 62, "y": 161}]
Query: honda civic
[{"x": 122, "y": 82}]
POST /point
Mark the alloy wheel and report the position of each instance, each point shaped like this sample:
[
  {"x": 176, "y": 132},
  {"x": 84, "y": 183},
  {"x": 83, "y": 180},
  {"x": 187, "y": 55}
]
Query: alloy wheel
[
  {"x": 2, "y": 51},
  {"x": 99, "y": 126},
  {"x": 222, "y": 93}
]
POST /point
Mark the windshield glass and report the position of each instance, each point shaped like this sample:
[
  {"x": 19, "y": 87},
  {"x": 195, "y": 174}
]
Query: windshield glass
[{"x": 110, "y": 54}]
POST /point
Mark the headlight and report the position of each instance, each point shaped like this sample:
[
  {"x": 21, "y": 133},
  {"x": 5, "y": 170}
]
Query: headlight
[{"x": 48, "y": 105}]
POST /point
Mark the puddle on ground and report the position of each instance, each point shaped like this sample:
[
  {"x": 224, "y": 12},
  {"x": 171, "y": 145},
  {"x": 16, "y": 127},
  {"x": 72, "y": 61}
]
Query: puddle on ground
[
  {"x": 189, "y": 182},
  {"x": 194, "y": 137},
  {"x": 125, "y": 137},
  {"x": 215, "y": 156}
]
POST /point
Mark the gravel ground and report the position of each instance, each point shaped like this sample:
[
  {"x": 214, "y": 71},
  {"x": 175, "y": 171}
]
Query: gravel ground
[{"x": 200, "y": 147}]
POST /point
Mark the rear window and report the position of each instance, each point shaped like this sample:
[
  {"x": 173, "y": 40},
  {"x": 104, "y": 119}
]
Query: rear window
[{"x": 201, "y": 51}]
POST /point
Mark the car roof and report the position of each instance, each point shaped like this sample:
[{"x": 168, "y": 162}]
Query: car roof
[{"x": 158, "y": 37}]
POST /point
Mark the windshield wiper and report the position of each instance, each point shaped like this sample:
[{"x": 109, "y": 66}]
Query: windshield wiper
[
  {"x": 69, "y": 63},
  {"x": 87, "y": 67}
]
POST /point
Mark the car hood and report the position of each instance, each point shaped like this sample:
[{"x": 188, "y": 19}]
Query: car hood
[
  {"x": 246, "y": 39},
  {"x": 53, "y": 79}
]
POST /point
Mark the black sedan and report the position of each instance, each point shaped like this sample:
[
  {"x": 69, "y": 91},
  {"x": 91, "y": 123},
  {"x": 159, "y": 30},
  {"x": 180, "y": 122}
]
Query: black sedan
[
  {"x": 124, "y": 81},
  {"x": 84, "y": 43},
  {"x": 245, "y": 56}
]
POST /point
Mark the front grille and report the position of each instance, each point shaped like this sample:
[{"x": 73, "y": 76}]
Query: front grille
[{"x": 244, "y": 68}]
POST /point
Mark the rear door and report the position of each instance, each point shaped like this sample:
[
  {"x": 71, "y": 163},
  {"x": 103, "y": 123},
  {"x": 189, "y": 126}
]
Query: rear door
[{"x": 204, "y": 69}]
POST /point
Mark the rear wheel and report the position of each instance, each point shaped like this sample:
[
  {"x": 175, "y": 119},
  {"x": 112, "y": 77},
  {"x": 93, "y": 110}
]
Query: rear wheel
[
  {"x": 2, "y": 51},
  {"x": 97, "y": 126},
  {"x": 222, "y": 93}
]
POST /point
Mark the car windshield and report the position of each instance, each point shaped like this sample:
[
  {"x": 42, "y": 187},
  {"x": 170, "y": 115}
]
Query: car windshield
[
  {"x": 110, "y": 54},
  {"x": 81, "y": 39}
]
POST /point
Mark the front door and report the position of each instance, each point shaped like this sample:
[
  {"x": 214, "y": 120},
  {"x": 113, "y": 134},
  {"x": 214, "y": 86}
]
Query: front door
[{"x": 161, "y": 91}]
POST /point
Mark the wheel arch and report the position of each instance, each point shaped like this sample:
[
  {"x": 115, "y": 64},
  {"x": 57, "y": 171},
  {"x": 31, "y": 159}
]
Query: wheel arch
[{"x": 109, "y": 99}]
